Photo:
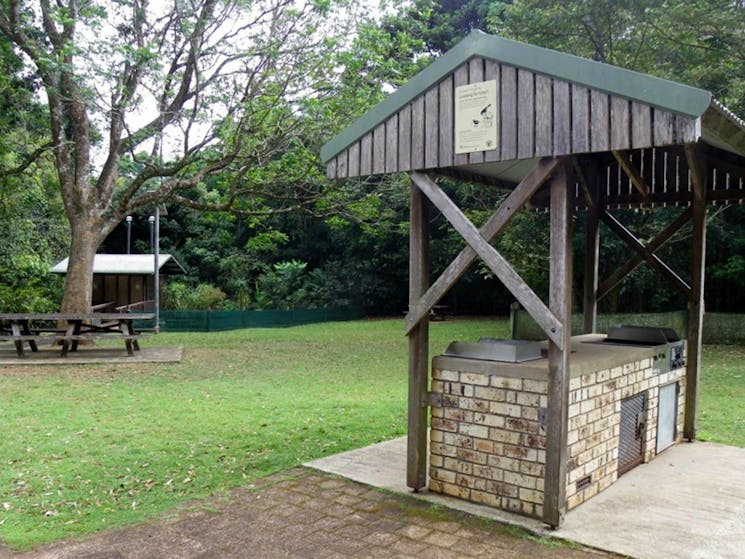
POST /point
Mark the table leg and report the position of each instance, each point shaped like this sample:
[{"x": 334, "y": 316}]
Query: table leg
[
  {"x": 67, "y": 341},
  {"x": 16, "y": 329},
  {"x": 76, "y": 332},
  {"x": 27, "y": 332},
  {"x": 127, "y": 328}
]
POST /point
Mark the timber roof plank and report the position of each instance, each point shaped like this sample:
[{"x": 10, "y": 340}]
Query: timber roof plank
[{"x": 641, "y": 88}]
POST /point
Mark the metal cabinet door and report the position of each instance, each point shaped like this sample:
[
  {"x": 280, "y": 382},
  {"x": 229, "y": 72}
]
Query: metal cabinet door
[{"x": 667, "y": 416}]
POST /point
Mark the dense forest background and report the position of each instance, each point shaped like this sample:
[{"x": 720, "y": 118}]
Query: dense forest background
[{"x": 349, "y": 245}]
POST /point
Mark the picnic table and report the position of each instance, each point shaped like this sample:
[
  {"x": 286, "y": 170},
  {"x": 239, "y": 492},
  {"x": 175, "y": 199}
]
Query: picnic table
[{"x": 32, "y": 328}]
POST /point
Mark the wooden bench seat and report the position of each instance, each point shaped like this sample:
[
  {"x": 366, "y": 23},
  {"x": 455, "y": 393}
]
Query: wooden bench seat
[
  {"x": 23, "y": 338},
  {"x": 67, "y": 340}
]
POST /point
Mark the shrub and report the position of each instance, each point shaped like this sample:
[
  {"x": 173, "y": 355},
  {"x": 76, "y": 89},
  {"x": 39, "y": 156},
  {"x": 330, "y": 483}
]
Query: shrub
[{"x": 179, "y": 296}]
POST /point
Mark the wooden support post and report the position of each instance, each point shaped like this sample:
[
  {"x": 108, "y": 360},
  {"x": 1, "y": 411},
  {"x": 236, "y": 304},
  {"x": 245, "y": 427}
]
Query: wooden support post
[
  {"x": 416, "y": 459},
  {"x": 633, "y": 173},
  {"x": 587, "y": 173},
  {"x": 592, "y": 252},
  {"x": 560, "y": 303},
  {"x": 699, "y": 178}
]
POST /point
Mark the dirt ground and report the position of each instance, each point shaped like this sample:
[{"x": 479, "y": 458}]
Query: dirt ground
[{"x": 308, "y": 514}]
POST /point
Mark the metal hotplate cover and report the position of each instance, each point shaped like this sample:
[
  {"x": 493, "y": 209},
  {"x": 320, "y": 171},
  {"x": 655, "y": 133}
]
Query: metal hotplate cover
[{"x": 494, "y": 349}]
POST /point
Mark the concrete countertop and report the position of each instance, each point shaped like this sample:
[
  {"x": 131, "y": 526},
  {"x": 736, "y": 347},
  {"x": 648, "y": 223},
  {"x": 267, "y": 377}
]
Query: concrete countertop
[{"x": 587, "y": 356}]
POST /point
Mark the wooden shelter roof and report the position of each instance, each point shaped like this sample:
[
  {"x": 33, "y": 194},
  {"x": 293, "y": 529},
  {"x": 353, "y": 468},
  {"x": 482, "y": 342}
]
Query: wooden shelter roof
[{"x": 549, "y": 104}]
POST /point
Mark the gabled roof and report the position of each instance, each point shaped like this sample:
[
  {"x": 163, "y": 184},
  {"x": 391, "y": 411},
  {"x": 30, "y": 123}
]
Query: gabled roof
[
  {"x": 128, "y": 264},
  {"x": 656, "y": 92}
]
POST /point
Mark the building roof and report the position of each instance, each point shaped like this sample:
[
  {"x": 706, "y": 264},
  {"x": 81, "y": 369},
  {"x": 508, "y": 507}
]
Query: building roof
[
  {"x": 128, "y": 264},
  {"x": 719, "y": 126}
]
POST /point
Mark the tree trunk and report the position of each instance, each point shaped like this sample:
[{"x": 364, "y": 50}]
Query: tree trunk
[{"x": 78, "y": 292}]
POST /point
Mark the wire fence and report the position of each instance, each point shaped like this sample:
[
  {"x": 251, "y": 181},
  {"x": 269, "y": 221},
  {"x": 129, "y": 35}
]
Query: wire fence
[
  {"x": 719, "y": 328},
  {"x": 216, "y": 321}
]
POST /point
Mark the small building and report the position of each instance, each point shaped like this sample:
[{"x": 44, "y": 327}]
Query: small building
[
  {"x": 581, "y": 139},
  {"x": 123, "y": 280}
]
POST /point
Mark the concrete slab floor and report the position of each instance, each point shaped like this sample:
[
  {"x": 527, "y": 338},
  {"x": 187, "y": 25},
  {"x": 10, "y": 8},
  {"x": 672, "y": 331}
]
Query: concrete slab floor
[{"x": 688, "y": 503}]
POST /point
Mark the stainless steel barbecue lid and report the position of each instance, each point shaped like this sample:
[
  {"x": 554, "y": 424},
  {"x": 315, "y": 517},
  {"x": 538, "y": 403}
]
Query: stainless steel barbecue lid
[
  {"x": 495, "y": 349},
  {"x": 647, "y": 335}
]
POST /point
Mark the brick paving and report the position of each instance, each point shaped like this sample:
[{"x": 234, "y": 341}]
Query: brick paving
[{"x": 307, "y": 514}]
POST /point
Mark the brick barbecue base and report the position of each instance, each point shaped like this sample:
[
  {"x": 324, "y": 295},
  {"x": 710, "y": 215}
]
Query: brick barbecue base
[{"x": 488, "y": 438}]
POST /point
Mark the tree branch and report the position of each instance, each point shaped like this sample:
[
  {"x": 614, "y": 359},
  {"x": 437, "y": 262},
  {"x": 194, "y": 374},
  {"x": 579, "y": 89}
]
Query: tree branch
[{"x": 28, "y": 160}]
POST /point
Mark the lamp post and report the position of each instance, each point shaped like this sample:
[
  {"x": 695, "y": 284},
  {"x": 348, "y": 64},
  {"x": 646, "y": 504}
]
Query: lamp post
[
  {"x": 151, "y": 224},
  {"x": 128, "y": 219},
  {"x": 154, "y": 221}
]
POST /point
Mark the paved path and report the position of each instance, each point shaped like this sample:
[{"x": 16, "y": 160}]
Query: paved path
[
  {"x": 308, "y": 514},
  {"x": 688, "y": 503}
]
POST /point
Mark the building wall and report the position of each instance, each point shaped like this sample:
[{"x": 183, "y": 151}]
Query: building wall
[
  {"x": 487, "y": 439},
  {"x": 123, "y": 289}
]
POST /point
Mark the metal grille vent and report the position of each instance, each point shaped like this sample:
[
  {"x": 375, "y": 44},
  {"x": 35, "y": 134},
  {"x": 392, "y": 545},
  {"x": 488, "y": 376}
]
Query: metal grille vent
[
  {"x": 631, "y": 440},
  {"x": 584, "y": 482}
]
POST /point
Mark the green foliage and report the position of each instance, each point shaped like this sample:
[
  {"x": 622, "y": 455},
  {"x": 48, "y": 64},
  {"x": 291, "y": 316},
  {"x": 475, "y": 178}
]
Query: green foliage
[
  {"x": 605, "y": 30},
  {"x": 180, "y": 296},
  {"x": 34, "y": 229},
  {"x": 440, "y": 24},
  {"x": 283, "y": 287},
  {"x": 28, "y": 286},
  {"x": 697, "y": 42},
  {"x": 288, "y": 285}
]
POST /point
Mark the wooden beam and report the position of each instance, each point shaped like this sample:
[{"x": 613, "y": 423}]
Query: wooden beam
[
  {"x": 699, "y": 178},
  {"x": 416, "y": 456},
  {"x": 516, "y": 200},
  {"x": 496, "y": 263},
  {"x": 663, "y": 237},
  {"x": 560, "y": 302},
  {"x": 629, "y": 238},
  {"x": 633, "y": 173}
]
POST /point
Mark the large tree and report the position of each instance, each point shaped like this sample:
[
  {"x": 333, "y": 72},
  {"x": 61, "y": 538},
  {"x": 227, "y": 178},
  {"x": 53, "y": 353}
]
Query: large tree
[{"x": 148, "y": 101}]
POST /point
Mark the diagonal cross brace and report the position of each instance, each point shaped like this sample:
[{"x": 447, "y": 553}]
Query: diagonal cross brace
[
  {"x": 663, "y": 237},
  {"x": 496, "y": 263},
  {"x": 628, "y": 237},
  {"x": 517, "y": 198}
]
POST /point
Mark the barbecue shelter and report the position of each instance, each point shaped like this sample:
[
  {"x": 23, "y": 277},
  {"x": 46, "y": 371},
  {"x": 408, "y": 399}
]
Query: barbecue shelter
[
  {"x": 126, "y": 280},
  {"x": 558, "y": 132}
]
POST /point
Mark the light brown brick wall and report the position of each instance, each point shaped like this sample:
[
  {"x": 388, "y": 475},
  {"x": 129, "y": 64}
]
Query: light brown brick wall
[
  {"x": 594, "y": 422},
  {"x": 487, "y": 444}
]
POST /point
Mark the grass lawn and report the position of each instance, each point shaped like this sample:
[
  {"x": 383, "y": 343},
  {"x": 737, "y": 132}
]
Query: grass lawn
[
  {"x": 721, "y": 415},
  {"x": 91, "y": 447},
  {"x": 86, "y": 448}
]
